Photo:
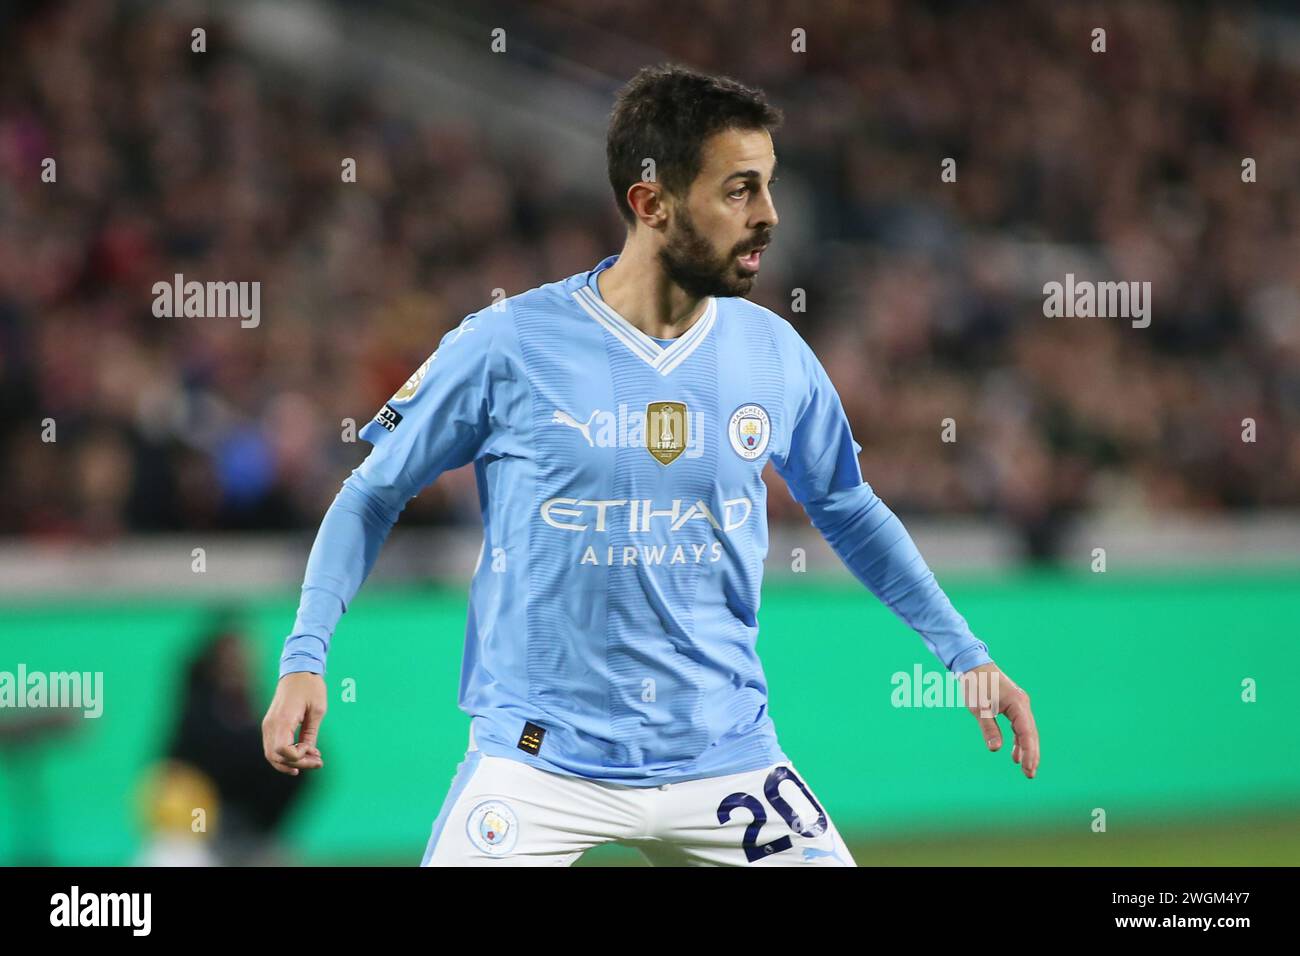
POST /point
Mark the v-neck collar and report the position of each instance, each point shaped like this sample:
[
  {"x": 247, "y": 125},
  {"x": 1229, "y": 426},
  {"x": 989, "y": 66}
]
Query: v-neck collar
[{"x": 662, "y": 358}]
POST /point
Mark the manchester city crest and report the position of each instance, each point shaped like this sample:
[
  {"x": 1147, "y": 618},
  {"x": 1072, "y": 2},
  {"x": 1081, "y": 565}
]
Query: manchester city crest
[
  {"x": 493, "y": 827},
  {"x": 749, "y": 430}
]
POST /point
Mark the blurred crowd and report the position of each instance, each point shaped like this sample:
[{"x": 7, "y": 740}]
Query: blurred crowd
[{"x": 924, "y": 297}]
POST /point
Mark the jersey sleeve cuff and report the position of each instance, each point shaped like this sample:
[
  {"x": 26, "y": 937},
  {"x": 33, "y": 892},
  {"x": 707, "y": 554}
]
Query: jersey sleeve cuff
[
  {"x": 303, "y": 653},
  {"x": 973, "y": 656}
]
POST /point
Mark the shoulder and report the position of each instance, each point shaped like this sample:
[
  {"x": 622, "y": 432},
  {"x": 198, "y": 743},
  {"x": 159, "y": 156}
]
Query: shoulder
[
  {"x": 542, "y": 310},
  {"x": 488, "y": 333},
  {"x": 750, "y": 317},
  {"x": 549, "y": 295}
]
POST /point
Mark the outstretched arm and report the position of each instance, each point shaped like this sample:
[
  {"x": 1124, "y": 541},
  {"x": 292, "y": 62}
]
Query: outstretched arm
[
  {"x": 820, "y": 465},
  {"x": 872, "y": 542},
  {"x": 440, "y": 419},
  {"x": 353, "y": 530}
]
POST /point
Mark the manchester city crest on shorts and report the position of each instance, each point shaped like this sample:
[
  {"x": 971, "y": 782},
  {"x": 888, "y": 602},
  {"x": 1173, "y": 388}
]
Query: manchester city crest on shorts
[
  {"x": 493, "y": 827},
  {"x": 749, "y": 431},
  {"x": 666, "y": 427}
]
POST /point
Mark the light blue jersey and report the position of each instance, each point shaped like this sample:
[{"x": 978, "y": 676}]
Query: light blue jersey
[{"x": 613, "y": 613}]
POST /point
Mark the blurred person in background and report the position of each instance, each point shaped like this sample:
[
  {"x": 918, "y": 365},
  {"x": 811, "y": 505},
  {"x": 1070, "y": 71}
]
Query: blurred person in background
[
  {"x": 925, "y": 294},
  {"x": 217, "y": 738}
]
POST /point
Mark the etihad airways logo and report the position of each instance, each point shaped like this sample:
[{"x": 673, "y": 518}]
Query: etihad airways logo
[{"x": 637, "y": 514}]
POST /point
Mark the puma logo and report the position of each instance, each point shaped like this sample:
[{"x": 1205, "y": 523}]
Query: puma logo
[
  {"x": 811, "y": 853},
  {"x": 560, "y": 417},
  {"x": 632, "y": 428}
]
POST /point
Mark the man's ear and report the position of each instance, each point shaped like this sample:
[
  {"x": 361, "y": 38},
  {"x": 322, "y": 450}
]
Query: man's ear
[{"x": 648, "y": 203}]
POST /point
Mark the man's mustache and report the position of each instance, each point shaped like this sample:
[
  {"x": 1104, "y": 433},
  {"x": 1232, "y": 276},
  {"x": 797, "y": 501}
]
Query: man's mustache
[{"x": 763, "y": 240}]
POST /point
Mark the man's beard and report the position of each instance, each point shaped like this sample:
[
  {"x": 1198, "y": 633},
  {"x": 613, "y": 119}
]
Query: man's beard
[{"x": 689, "y": 261}]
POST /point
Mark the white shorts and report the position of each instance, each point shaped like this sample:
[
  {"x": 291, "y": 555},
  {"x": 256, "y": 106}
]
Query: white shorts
[{"x": 503, "y": 812}]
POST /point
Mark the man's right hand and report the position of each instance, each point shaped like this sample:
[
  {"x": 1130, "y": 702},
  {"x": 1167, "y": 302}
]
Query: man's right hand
[{"x": 299, "y": 700}]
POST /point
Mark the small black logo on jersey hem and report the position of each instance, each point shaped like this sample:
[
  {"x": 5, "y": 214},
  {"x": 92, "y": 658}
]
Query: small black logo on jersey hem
[{"x": 530, "y": 741}]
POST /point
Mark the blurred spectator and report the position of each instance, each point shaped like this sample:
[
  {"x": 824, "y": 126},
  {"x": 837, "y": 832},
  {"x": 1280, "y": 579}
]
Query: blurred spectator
[
  {"x": 924, "y": 296},
  {"x": 216, "y": 749}
]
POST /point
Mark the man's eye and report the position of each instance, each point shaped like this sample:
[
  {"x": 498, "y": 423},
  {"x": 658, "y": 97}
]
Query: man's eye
[{"x": 737, "y": 193}]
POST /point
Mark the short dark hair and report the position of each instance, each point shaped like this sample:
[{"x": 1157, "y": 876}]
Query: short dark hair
[{"x": 665, "y": 113}]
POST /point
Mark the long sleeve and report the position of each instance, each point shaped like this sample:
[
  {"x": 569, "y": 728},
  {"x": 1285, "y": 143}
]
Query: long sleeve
[
  {"x": 872, "y": 542},
  {"x": 820, "y": 465},
  {"x": 439, "y": 420},
  {"x": 353, "y": 530}
]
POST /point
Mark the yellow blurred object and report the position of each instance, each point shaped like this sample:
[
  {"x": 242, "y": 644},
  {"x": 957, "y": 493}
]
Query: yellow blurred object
[{"x": 177, "y": 798}]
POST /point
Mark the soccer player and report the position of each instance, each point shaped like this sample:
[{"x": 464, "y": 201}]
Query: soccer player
[{"x": 619, "y": 421}]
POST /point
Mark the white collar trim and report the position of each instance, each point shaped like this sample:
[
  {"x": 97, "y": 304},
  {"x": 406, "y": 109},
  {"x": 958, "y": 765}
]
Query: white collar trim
[{"x": 662, "y": 358}]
